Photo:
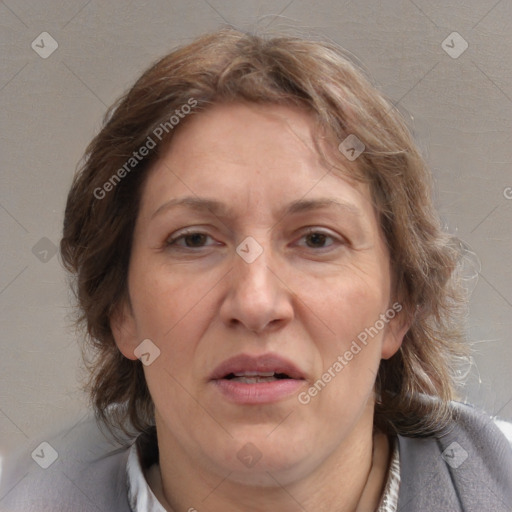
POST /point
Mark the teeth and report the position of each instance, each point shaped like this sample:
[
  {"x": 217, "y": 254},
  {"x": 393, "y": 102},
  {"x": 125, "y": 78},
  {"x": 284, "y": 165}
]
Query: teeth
[
  {"x": 254, "y": 374},
  {"x": 254, "y": 380}
]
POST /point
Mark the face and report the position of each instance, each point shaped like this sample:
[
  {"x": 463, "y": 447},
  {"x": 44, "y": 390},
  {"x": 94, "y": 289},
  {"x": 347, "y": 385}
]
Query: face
[{"x": 263, "y": 279}]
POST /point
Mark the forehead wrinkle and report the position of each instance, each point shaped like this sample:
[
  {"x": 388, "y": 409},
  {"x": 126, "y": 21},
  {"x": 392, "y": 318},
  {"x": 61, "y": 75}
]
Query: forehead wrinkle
[
  {"x": 199, "y": 204},
  {"x": 218, "y": 208}
]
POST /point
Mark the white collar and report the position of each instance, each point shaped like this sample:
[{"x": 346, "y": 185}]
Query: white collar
[{"x": 140, "y": 495}]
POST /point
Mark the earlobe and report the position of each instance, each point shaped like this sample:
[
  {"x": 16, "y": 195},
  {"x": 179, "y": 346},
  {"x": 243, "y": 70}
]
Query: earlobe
[
  {"x": 396, "y": 331},
  {"x": 122, "y": 324}
]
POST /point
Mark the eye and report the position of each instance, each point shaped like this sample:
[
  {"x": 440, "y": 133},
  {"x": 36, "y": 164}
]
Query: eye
[
  {"x": 189, "y": 239},
  {"x": 316, "y": 239}
]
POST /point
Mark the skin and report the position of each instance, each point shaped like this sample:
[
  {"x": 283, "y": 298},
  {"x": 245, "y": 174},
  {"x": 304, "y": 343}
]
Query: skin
[{"x": 305, "y": 297}]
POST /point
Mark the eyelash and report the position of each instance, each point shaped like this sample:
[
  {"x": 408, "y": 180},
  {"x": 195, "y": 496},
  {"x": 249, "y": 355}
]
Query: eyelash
[{"x": 171, "y": 241}]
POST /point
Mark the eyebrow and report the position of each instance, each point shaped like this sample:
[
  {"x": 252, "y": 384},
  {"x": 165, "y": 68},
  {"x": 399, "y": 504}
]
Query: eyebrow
[{"x": 220, "y": 209}]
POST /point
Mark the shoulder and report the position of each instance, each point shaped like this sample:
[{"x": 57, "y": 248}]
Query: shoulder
[
  {"x": 506, "y": 429},
  {"x": 76, "y": 469},
  {"x": 466, "y": 466},
  {"x": 477, "y": 423}
]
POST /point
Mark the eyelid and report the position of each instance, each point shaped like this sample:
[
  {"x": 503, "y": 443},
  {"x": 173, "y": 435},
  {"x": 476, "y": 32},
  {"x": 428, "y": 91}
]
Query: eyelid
[
  {"x": 315, "y": 230},
  {"x": 309, "y": 230},
  {"x": 181, "y": 234}
]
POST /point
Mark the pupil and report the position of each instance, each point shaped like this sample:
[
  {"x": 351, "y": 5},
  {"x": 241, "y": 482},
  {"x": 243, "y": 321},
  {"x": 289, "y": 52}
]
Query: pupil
[
  {"x": 196, "y": 238},
  {"x": 317, "y": 238}
]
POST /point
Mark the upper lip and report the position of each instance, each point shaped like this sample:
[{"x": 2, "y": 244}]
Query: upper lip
[{"x": 262, "y": 363}]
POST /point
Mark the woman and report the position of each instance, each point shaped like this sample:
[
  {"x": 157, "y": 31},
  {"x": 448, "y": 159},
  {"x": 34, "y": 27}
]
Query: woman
[{"x": 273, "y": 306}]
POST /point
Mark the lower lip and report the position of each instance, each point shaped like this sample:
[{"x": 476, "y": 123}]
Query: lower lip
[{"x": 258, "y": 393}]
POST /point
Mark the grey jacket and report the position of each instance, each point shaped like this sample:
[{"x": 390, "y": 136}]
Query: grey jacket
[{"x": 466, "y": 468}]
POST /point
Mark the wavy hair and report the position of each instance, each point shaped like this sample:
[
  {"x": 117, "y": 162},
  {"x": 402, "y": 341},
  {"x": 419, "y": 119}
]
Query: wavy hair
[{"x": 226, "y": 66}]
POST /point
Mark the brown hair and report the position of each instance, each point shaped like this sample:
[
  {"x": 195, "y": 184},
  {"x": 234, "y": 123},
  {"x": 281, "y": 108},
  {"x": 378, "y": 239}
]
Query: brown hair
[{"x": 229, "y": 65}]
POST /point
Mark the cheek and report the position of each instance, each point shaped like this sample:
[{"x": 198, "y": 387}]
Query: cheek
[
  {"x": 348, "y": 301},
  {"x": 350, "y": 354},
  {"x": 167, "y": 301},
  {"x": 173, "y": 311},
  {"x": 176, "y": 405},
  {"x": 348, "y": 306}
]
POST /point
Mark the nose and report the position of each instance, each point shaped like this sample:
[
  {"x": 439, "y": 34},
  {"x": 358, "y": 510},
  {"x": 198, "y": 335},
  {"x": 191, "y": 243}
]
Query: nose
[{"x": 258, "y": 297}]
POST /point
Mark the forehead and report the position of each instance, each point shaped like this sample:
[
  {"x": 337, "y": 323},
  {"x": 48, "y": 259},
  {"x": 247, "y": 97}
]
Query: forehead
[
  {"x": 249, "y": 156},
  {"x": 248, "y": 133}
]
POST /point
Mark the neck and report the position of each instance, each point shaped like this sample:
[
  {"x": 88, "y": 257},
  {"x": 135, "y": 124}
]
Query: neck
[{"x": 350, "y": 480}]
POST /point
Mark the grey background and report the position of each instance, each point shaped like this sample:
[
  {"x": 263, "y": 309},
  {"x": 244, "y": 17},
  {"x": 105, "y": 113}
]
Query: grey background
[{"x": 50, "y": 109}]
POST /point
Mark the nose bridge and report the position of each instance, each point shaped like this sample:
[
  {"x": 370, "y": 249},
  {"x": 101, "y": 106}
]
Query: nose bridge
[
  {"x": 252, "y": 274},
  {"x": 256, "y": 297}
]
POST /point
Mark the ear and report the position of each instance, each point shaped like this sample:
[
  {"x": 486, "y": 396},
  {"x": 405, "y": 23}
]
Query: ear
[
  {"x": 396, "y": 330},
  {"x": 123, "y": 326}
]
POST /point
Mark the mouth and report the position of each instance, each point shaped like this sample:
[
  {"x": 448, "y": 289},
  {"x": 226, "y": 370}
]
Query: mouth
[
  {"x": 266, "y": 366},
  {"x": 256, "y": 377},
  {"x": 246, "y": 379}
]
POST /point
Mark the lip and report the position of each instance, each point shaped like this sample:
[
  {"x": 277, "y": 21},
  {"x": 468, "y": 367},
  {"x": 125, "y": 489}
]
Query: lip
[
  {"x": 262, "y": 363},
  {"x": 261, "y": 392}
]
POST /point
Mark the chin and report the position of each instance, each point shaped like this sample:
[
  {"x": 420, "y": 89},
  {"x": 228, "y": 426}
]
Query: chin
[
  {"x": 270, "y": 473},
  {"x": 258, "y": 461}
]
